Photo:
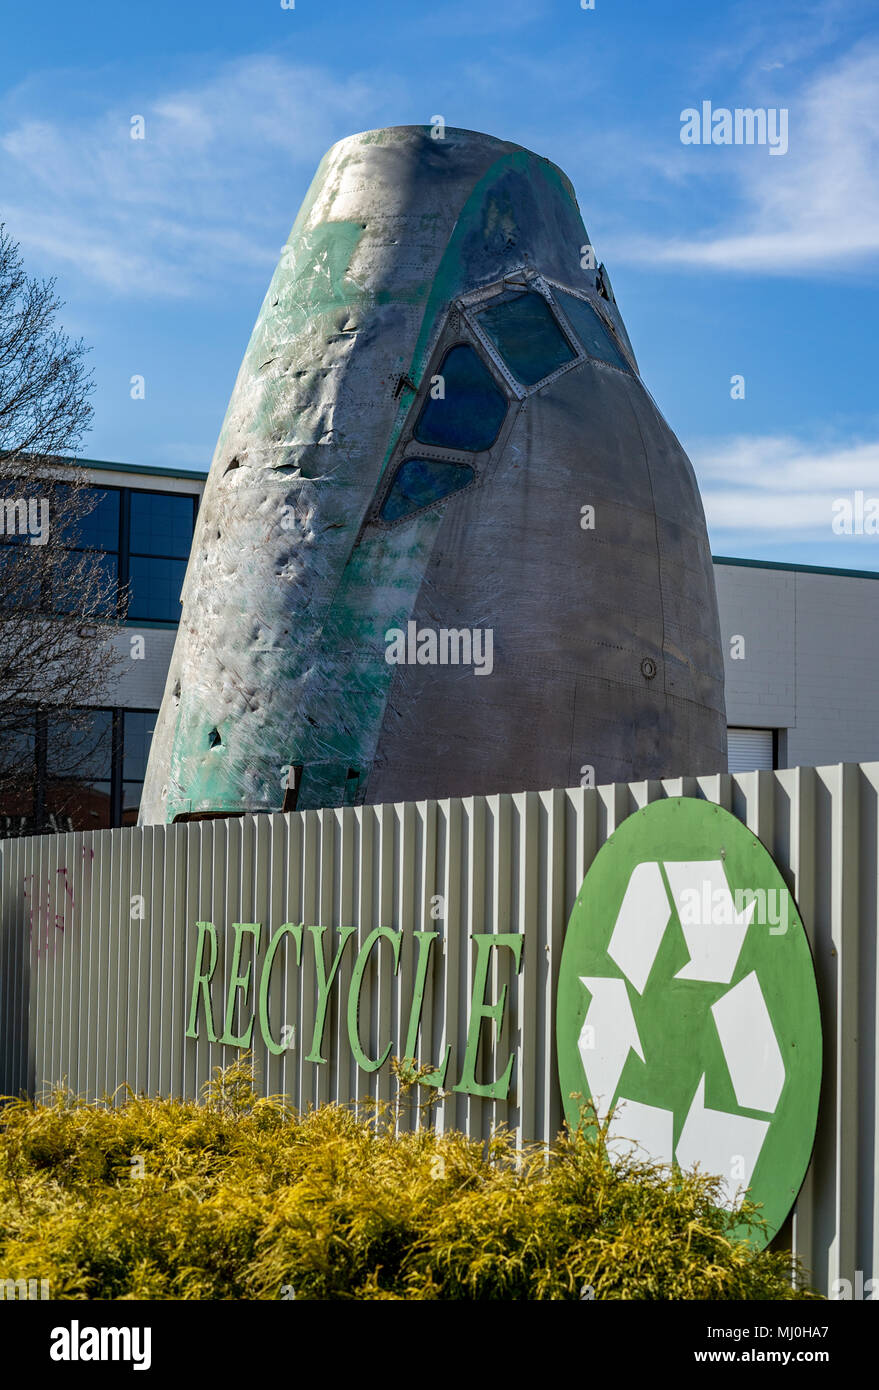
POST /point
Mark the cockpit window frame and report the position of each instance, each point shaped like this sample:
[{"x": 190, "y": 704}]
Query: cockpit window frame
[
  {"x": 462, "y": 328},
  {"x": 455, "y": 332},
  {"x": 527, "y": 279}
]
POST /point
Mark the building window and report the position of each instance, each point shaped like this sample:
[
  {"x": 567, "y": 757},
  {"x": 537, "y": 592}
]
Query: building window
[
  {"x": 138, "y": 727},
  {"x": 160, "y": 538},
  {"x": 17, "y": 760},
  {"x": 751, "y": 750},
  {"x": 161, "y": 524},
  {"x": 73, "y": 566},
  {"x": 76, "y": 775},
  {"x": 78, "y": 788},
  {"x": 99, "y": 530},
  {"x": 21, "y": 570},
  {"x": 156, "y": 582},
  {"x": 140, "y": 540},
  {"x": 91, "y": 540},
  {"x": 58, "y": 774},
  {"x": 49, "y": 577}
]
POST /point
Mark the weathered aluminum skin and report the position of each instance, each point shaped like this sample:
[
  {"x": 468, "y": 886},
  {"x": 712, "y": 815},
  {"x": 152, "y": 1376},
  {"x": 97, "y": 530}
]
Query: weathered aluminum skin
[{"x": 606, "y": 645}]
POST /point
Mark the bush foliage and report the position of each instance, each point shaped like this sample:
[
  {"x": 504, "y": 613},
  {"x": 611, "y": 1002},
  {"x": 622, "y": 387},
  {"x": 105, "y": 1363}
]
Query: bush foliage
[{"x": 239, "y": 1197}]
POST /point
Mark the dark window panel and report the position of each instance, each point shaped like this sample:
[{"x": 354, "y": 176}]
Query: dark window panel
[
  {"x": 473, "y": 408},
  {"x": 18, "y": 767},
  {"x": 21, "y": 570},
  {"x": 18, "y": 786},
  {"x": 86, "y": 805},
  {"x": 82, "y": 750},
  {"x": 161, "y": 524},
  {"x": 66, "y": 582},
  {"x": 14, "y": 514},
  {"x": 17, "y": 742},
  {"x": 131, "y": 794},
  {"x": 98, "y": 530},
  {"x": 590, "y": 330},
  {"x": 422, "y": 481},
  {"x": 523, "y": 329},
  {"x": 155, "y": 588},
  {"x": 18, "y": 776},
  {"x": 136, "y": 738}
]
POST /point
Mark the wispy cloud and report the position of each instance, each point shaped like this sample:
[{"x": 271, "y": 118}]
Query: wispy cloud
[
  {"x": 222, "y": 164},
  {"x": 816, "y": 207},
  {"x": 760, "y": 487},
  {"x": 213, "y": 188},
  {"x": 766, "y": 38}
]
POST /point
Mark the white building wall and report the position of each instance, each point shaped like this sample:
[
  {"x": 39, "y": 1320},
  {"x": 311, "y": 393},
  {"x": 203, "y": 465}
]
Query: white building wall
[
  {"x": 141, "y": 682},
  {"x": 810, "y": 666}
]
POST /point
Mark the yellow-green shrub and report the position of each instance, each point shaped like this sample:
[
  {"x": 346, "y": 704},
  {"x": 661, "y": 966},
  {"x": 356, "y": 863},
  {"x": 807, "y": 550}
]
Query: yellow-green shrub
[{"x": 241, "y": 1198}]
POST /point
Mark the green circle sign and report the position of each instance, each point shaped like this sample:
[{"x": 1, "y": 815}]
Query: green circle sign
[{"x": 687, "y": 1000}]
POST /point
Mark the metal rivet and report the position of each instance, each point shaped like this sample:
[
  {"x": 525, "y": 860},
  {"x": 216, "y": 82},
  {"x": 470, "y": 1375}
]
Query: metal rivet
[{"x": 648, "y": 668}]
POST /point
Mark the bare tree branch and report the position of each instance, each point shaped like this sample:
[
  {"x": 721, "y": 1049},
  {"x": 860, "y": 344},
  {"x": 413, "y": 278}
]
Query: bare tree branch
[{"x": 59, "y": 599}]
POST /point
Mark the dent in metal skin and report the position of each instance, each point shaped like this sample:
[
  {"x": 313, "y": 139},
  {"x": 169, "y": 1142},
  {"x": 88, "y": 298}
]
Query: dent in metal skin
[{"x": 606, "y": 647}]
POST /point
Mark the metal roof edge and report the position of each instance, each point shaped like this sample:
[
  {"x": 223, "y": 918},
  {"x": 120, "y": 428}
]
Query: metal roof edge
[
  {"x": 151, "y": 469},
  {"x": 797, "y": 569}
]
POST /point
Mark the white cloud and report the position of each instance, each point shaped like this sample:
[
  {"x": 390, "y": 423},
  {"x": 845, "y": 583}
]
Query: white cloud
[
  {"x": 223, "y": 163},
  {"x": 754, "y": 487},
  {"x": 817, "y": 206},
  {"x": 784, "y": 34},
  {"x": 213, "y": 189}
]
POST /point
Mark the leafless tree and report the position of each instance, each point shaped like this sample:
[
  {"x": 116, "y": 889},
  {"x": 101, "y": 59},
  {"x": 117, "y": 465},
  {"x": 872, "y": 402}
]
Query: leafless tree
[{"x": 59, "y": 603}]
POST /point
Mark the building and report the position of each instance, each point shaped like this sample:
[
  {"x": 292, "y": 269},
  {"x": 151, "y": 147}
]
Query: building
[
  {"x": 801, "y": 651},
  {"x": 142, "y": 524},
  {"x": 801, "y": 647}
]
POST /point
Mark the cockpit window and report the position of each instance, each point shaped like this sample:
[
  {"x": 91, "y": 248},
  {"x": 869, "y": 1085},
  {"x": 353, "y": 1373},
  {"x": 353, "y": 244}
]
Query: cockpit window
[
  {"x": 523, "y": 329},
  {"x": 590, "y": 330},
  {"x": 419, "y": 482},
  {"x": 465, "y": 408}
]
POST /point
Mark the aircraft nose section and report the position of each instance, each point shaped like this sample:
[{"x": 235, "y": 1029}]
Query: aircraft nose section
[{"x": 445, "y": 531}]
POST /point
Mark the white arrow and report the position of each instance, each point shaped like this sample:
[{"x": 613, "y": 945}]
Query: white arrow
[
  {"x": 756, "y": 1066},
  {"x": 713, "y": 930},
  {"x": 724, "y": 1145},
  {"x": 647, "y": 1128},
  {"x": 609, "y": 1032},
  {"x": 641, "y": 921}
]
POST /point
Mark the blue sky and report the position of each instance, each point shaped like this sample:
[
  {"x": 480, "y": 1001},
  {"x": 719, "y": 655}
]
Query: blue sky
[{"x": 725, "y": 260}]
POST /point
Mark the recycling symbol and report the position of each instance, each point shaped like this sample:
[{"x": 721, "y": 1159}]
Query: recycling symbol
[{"x": 687, "y": 1004}]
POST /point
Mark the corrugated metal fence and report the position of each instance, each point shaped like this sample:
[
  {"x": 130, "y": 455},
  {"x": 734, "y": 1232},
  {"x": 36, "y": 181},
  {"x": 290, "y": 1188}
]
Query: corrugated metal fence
[{"x": 98, "y": 943}]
